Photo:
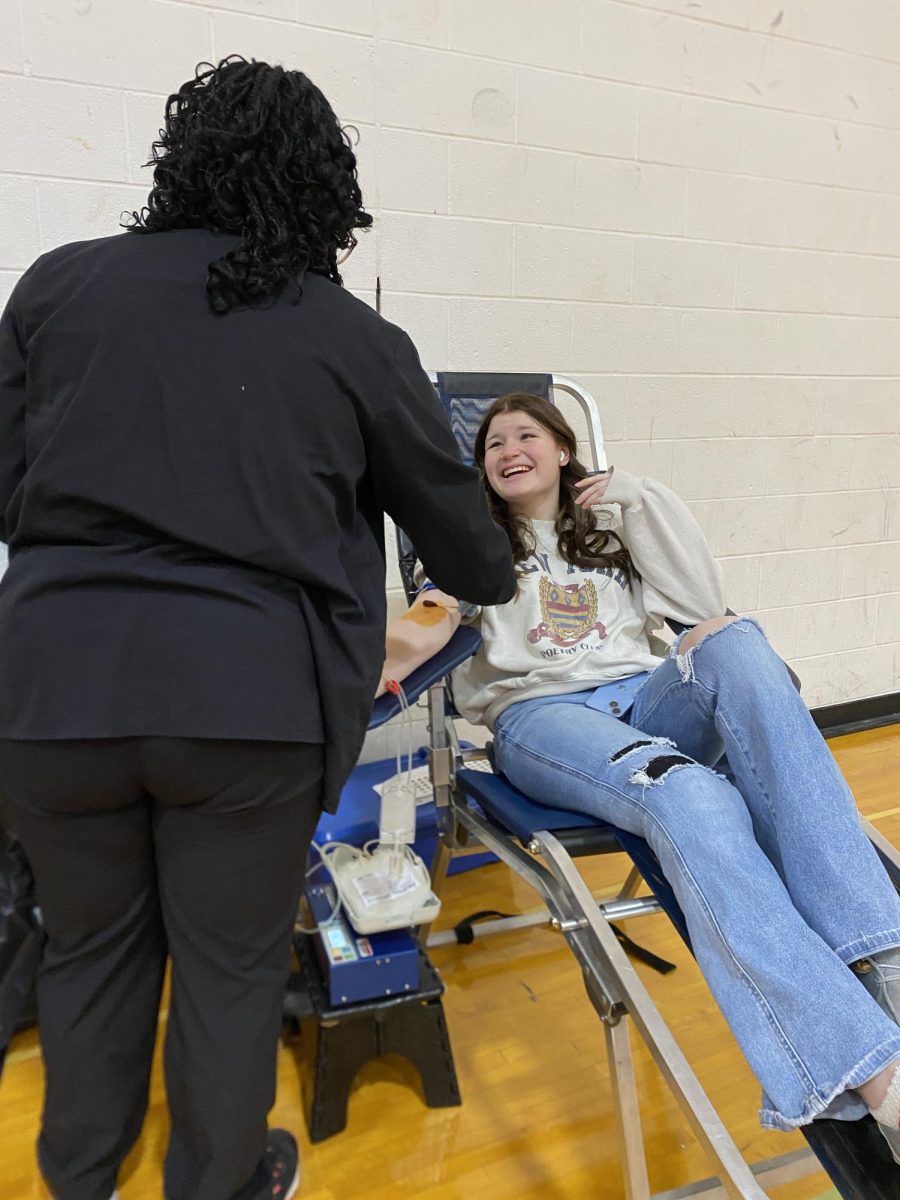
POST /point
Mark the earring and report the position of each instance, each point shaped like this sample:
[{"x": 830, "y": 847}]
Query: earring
[{"x": 347, "y": 251}]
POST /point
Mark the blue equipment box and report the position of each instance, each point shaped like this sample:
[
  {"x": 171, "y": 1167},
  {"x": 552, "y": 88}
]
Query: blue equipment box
[
  {"x": 356, "y": 820},
  {"x": 358, "y": 968}
]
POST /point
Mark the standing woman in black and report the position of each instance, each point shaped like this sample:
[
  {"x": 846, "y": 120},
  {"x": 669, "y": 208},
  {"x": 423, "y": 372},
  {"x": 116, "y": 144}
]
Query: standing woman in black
[{"x": 200, "y": 431}]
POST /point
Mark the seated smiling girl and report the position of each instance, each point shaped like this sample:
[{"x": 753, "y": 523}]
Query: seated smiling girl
[{"x": 792, "y": 918}]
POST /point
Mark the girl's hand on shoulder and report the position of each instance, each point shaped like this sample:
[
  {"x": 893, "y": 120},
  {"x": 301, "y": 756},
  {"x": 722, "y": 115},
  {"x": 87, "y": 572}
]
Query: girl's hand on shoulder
[{"x": 593, "y": 488}]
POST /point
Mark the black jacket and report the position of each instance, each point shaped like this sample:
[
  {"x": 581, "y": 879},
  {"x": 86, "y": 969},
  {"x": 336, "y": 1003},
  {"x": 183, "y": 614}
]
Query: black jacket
[{"x": 193, "y": 504}]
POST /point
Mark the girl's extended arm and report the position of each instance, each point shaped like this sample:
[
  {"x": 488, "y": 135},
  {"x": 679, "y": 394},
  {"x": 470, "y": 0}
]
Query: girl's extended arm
[{"x": 412, "y": 638}]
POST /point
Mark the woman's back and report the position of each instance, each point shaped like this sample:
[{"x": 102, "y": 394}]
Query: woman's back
[
  {"x": 202, "y": 505},
  {"x": 238, "y": 436}
]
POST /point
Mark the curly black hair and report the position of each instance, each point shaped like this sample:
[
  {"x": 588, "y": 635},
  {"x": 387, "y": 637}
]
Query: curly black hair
[{"x": 257, "y": 151}]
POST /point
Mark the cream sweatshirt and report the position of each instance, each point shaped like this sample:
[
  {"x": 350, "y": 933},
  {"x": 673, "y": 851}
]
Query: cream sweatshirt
[{"x": 569, "y": 628}]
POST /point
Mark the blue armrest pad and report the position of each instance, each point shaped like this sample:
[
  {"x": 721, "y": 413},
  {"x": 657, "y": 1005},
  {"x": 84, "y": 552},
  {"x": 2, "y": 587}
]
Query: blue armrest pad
[{"x": 461, "y": 646}]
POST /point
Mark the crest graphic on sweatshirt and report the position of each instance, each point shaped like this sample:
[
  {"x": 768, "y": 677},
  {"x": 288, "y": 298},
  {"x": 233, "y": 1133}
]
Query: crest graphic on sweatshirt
[{"x": 568, "y": 612}]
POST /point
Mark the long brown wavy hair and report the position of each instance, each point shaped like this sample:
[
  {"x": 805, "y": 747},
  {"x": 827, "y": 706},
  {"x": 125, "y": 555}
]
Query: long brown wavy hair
[{"x": 578, "y": 539}]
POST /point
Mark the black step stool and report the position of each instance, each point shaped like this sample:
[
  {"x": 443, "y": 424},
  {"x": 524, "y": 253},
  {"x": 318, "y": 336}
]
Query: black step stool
[{"x": 336, "y": 1042}]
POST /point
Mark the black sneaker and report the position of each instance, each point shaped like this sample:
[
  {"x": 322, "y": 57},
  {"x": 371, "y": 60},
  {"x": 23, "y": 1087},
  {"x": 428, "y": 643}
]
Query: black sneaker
[{"x": 281, "y": 1166}]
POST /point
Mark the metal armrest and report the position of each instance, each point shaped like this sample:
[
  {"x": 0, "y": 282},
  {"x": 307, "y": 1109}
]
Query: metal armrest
[
  {"x": 677, "y": 627},
  {"x": 461, "y": 646}
]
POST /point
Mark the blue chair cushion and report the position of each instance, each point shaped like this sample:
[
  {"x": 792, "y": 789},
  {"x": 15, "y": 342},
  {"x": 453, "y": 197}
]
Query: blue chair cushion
[
  {"x": 515, "y": 812},
  {"x": 523, "y": 817}
]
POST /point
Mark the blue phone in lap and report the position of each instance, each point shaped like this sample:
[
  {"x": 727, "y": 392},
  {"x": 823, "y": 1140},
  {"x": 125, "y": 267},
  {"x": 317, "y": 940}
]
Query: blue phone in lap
[{"x": 617, "y": 697}]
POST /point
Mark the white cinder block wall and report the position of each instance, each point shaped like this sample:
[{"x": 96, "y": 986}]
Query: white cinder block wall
[{"x": 692, "y": 207}]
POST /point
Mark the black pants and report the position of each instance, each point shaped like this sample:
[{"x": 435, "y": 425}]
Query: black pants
[{"x": 143, "y": 848}]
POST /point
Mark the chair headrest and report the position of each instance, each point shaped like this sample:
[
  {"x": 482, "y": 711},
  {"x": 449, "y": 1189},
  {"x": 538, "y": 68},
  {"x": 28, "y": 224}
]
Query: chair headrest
[{"x": 467, "y": 395}]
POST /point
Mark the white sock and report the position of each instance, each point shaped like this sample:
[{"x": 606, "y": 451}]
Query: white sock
[{"x": 888, "y": 1111}]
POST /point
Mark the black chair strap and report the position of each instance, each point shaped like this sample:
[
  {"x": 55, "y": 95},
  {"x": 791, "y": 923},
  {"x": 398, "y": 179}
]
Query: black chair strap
[{"x": 641, "y": 953}]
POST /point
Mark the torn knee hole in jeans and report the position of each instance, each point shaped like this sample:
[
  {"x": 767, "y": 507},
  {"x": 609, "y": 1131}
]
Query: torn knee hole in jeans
[
  {"x": 658, "y": 769},
  {"x": 648, "y": 741},
  {"x": 685, "y": 661}
]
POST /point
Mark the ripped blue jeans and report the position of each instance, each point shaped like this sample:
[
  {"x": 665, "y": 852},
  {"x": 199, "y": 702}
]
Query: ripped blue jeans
[{"x": 779, "y": 885}]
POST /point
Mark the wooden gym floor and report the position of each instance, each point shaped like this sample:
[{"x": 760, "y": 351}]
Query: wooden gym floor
[{"x": 536, "y": 1120}]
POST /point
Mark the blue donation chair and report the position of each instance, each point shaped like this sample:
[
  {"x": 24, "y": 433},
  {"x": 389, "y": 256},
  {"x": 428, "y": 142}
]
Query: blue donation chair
[{"x": 478, "y": 808}]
